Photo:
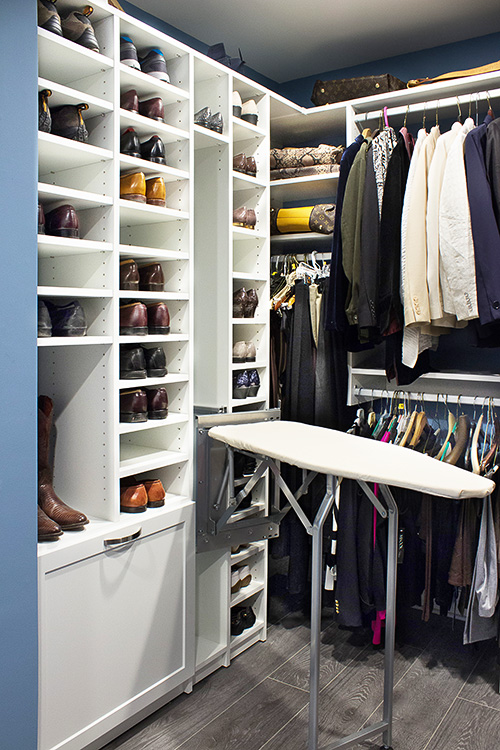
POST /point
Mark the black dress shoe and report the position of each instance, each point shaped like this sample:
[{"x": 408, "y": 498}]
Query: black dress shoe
[
  {"x": 67, "y": 320},
  {"x": 156, "y": 362},
  {"x": 129, "y": 143},
  {"x": 153, "y": 150},
  {"x": 67, "y": 121},
  {"x": 132, "y": 363}
]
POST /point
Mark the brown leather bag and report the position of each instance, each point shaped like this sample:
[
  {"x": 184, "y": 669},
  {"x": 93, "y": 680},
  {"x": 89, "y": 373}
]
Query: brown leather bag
[
  {"x": 329, "y": 92},
  {"x": 490, "y": 68}
]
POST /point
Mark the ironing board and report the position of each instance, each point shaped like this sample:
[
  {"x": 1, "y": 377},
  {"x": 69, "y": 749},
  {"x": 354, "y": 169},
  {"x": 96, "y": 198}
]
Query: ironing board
[{"x": 338, "y": 455}]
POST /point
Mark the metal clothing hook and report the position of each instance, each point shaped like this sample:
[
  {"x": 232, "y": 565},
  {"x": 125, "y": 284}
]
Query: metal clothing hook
[
  {"x": 423, "y": 118},
  {"x": 459, "y": 110},
  {"x": 437, "y": 113},
  {"x": 406, "y": 115}
]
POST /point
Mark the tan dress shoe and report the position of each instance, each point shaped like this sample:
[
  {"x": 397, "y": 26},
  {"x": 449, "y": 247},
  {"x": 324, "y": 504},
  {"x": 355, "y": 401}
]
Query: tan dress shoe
[
  {"x": 133, "y": 187},
  {"x": 155, "y": 192},
  {"x": 133, "y": 499}
]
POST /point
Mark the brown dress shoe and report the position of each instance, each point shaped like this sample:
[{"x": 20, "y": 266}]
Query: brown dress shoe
[
  {"x": 48, "y": 530},
  {"x": 240, "y": 163},
  {"x": 239, "y": 298},
  {"x": 129, "y": 275},
  {"x": 251, "y": 166},
  {"x": 133, "y": 406},
  {"x": 244, "y": 217},
  {"x": 133, "y": 498},
  {"x": 151, "y": 278},
  {"x": 133, "y": 319},
  {"x": 251, "y": 219},
  {"x": 157, "y": 403},
  {"x": 250, "y": 303},
  {"x": 65, "y": 517},
  {"x": 155, "y": 192},
  {"x": 152, "y": 108},
  {"x": 133, "y": 187},
  {"x": 156, "y": 492},
  {"x": 129, "y": 100},
  {"x": 158, "y": 318},
  {"x": 62, "y": 222}
]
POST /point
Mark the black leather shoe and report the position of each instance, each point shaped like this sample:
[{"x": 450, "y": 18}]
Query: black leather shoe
[
  {"x": 67, "y": 320},
  {"x": 156, "y": 362},
  {"x": 153, "y": 150},
  {"x": 132, "y": 363},
  {"x": 129, "y": 143},
  {"x": 44, "y": 322},
  {"x": 67, "y": 121}
]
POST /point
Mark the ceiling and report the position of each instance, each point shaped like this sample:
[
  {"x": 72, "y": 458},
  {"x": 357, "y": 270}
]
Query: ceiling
[{"x": 287, "y": 39}]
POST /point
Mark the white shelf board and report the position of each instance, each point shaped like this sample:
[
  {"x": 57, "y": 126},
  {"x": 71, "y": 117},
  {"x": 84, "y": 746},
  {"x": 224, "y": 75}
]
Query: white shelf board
[
  {"x": 79, "y": 199},
  {"x": 135, "y": 459},
  {"x": 66, "y": 95},
  {"x": 246, "y": 592},
  {"x": 248, "y": 366},
  {"x": 204, "y": 138},
  {"x": 73, "y": 291},
  {"x": 245, "y": 321},
  {"x": 50, "y": 246},
  {"x": 238, "y": 640},
  {"x": 243, "y": 130},
  {"x": 75, "y": 341},
  {"x": 145, "y": 127},
  {"x": 134, "y": 214},
  {"x": 169, "y": 174},
  {"x": 64, "y": 61},
  {"x": 152, "y": 253},
  {"x": 235, "y": 402},
  {"x": 254, "y": 508},
  {"x": 56, "y": 153},
  {"x": 463, "y": 376},
  {"x": 245, "y": 182},
  {"x": 207, "y": 651},
  {"x": 241, "y": 275},
  {"x": 253, "y": 549},
  {"x": 310, "y": 125},
  {"x": 183, "y": 296},
  {"x": 299, "y": 188},
  {"x": 148, "y": 86},
  {"x": 125, "y": 427},
  {"x": 243, "y": 233},
  {"x": 144, "y": 382},
  {"x": 153, "y": 338}
]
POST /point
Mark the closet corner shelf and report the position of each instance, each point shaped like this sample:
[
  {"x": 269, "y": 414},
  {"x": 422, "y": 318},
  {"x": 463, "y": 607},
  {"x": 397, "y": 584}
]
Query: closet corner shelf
[
  {"x": 152, "y": 424},
  {"x": 75, "y": 341},
  {"x": 145, "y": 126},
  {"x": 50, "y": 246},
  {"x": 72, "y": 291},
  {"x": 144, "y": 382},
  {"x": 245, "y": 182},
  {"x": 245, "y": 593},
  {"x": 135, "y": 459},
  {"x": 66, "y": 95},
  {"x": 169, "y": 174},
  {"x": 164, "y": 296},
  {"x": 79, "y": 199},
  {"x": 63, "y": 61},
  {"x": 298, "y": 188},
  {"x": 300, "y": 242},
  {"x": 243, "y": 130},
  {"x": 147, "y": 85},
  {"x": 152, "y": 253},
  {"x": 204, "y": 138},
  {"x": 56, "y": 154},
  {"x": 133, "y": 214}
]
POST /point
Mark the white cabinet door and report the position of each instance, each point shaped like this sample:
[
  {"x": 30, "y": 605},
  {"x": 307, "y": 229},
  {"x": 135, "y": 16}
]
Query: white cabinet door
[{"x": 116, "y": 634}]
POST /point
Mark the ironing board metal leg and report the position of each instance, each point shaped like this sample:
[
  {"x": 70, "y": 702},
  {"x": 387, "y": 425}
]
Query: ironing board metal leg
[{"x": 316, "y": 580}]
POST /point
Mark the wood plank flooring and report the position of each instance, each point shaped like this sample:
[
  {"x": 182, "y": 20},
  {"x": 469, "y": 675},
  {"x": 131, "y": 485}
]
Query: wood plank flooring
[{"x": 446, "y": 694}]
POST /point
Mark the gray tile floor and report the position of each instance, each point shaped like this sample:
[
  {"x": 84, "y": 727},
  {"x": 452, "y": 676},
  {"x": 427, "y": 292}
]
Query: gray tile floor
[{"x": 446, "y": 695}]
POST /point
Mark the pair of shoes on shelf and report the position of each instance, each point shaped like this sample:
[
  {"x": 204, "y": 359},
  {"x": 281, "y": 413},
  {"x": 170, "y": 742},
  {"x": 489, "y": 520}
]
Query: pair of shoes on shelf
[
  {"x": 240, "y": 577},
  {"x": 142, "y": 404},
  {"x": 138, "y": 319},
  {"x": 244, "y": 217},
  {"x": 151, "y": 150},
  {"x": 151, "y": 108},
  {"x": 61, "y": 319},
  {"x": 242, "y": 618},
  {"x": 246, "y": 384},
  {"x": 138, "y": 362},
  {"x": 153, "y": 63},
  {"x": 247, "y": 111},
  {"x": 54, "y": 516},
  {"x": 205, "y": 119},
  {"x": 148, "y": 277},
  {"x": 218, "y": 52},
  {"x": 135, "y": 187},
  {"x": 244, "y": 466},
  {"x": 244, "y": 351},
  {"x": 245, "y": 164},
  {"x": 238, "y": 547},
  {"x": 245, "y": 303},
  {"x": 137, "y": 495},
  {"x": 66, "y": 121},
  {"x": 60, "y": 222},
  {"x": 75, "y": 25}
]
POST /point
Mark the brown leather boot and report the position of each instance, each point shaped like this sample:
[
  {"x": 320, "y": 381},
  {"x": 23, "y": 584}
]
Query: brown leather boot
[
  {"x": 49, "y": 502},
  {"x": 48, "y": 530}
]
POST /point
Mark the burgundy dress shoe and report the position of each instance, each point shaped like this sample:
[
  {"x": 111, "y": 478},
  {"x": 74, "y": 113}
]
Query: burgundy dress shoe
[
  {"x": 152, "y": 108},
  {"x": 153, "y": 150},
  {"x": 133, "y": 406},
  {"x": 41, "y": 219},
  {"x": 157, "y": 403},
  {"x": 250, "y": 303},
  {"x": 151, "y": 278},
  {"x": 133, "y": 319},
  {"x": 67, "y": 121},
  {"x": 239, "y": 298},
  {"x": 130, "y": 144},
  {"x": 129, "y": 275},
  {"x": 130, "y": 101},
  {"x": 158, "y": 318},
  {"x": 132, "y": 363},
  {"x": 62, "y": 222},
  {"x": 133, "y": 498}
]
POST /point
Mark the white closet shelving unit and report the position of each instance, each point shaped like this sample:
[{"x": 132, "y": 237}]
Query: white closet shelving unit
[{"x": 107, "y": 608}]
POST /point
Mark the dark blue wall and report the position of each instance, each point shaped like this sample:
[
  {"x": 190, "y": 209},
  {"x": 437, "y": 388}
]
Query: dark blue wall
[
  {"x": 18, "y": 484},
  {"x": 425, "y": 63}
]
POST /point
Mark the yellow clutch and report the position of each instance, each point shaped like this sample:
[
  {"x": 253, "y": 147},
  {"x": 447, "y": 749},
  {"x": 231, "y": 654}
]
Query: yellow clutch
[{"x": 319, "y": 218}]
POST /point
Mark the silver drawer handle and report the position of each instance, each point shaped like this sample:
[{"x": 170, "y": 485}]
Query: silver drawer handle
[{"x": 123, "y": 539}]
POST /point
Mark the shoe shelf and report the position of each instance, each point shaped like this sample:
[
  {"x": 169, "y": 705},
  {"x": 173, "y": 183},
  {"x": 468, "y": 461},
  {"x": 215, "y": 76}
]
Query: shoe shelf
[
  {"x": 67, "y": 62},
  {"x": 148, "y": 86},
  {"x": 248, "y": 366},
  {"x": 246, "y": 592},
  {"x": 243, "y": 130},
  {"x": 304, "y": 188},
  {"x": 144, "y": 382},
  {"x": 51, "y": 341},
  {"x": 52, "y": 247},
  {"x": 133, "y": 214},
  {"x": 153, "y": 338},
  {"x": 255, "y": 507},
  {"x": 245, "y": 182},
  {"x": 145, "y": 126},
  {"x": 169, "y": 174},
  {"x": 164, "y": 296},
  {"x": 244, "y": 233},
  {"x": 69, "y": 291},
  {"x": 205, "y": 138},
  {"x": 151, "y": 253},
  {"x": 136, "y": 459},
  {"x": 247, "y": 552},
  {"x": 56, "y": 154},
  {"x": 65, "y": 95},
  {"x": 53, "y": 195},
  {"x": 245, "y": 276},
  {"x": 172, "y": 419},
  {"x": 249, "y": 321},
  {"x": 236, "y": 403}
]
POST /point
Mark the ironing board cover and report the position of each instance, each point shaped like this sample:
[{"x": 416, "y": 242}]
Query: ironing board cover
[{"x": 343, "y": 455}]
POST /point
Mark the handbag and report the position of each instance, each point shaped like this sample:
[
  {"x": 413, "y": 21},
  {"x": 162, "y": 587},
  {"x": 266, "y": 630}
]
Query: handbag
[
  {"x": 287, "y": 158},
  {"x": 329, "y": 92},
  {"x": 319, "y": 218},
  {"x": 490, "y": 68}
]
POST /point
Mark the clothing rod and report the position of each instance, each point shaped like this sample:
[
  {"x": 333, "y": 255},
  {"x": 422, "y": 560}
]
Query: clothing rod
[
  {"x": 450, "y": 101},
  {"x": 364, "y": 394}
]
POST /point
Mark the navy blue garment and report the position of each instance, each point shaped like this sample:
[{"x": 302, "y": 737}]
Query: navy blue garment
[
  {"x": 335, "y": 319},
  {"x": 485, "y": 232}
]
